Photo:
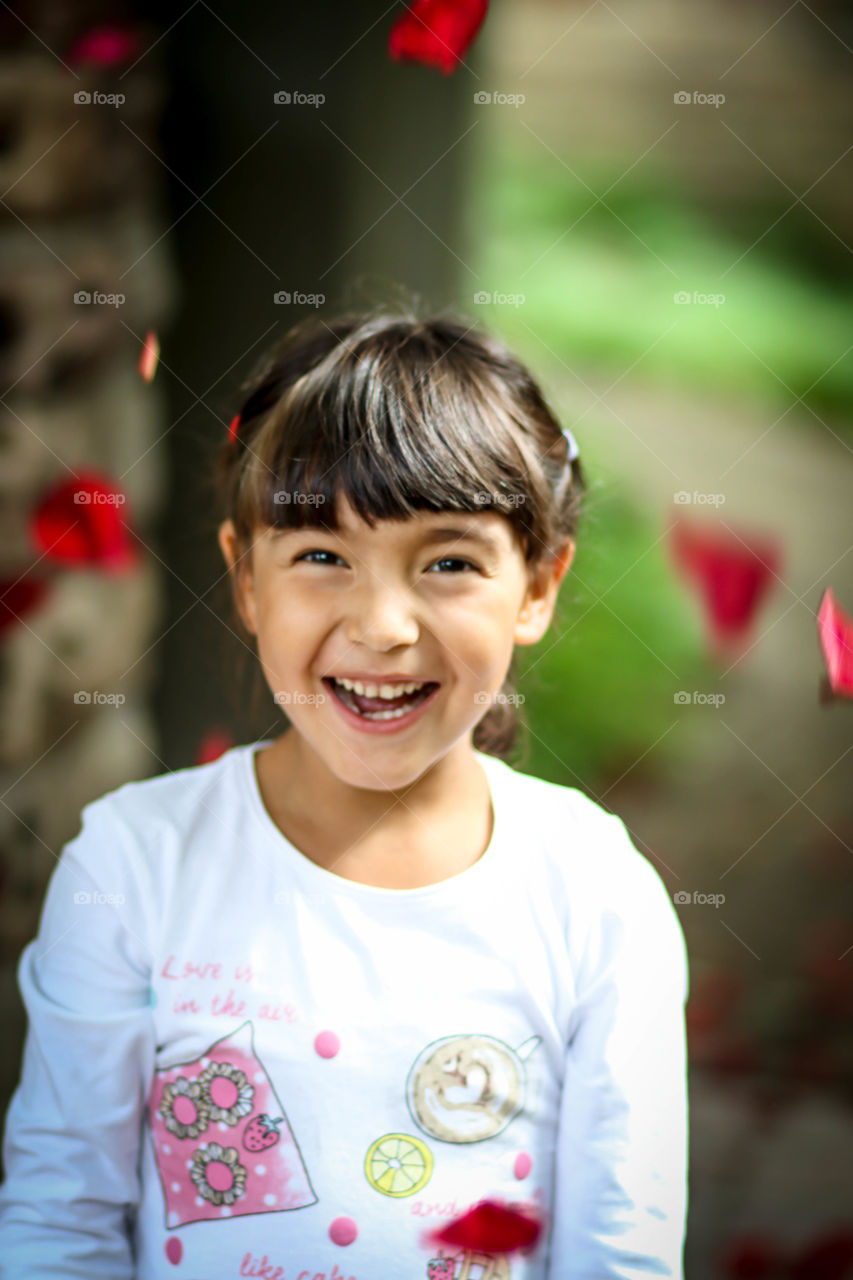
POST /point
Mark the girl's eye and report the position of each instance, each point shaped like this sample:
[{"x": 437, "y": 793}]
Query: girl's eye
[
  {"x": 456, "y": 560},
  {"x": 445, "y": 560},
  {"x": 305, "y": 555}
]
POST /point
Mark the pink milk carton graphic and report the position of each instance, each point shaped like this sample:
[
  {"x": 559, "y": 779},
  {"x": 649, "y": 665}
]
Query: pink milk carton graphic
[{"x": 221, "y": 1139}]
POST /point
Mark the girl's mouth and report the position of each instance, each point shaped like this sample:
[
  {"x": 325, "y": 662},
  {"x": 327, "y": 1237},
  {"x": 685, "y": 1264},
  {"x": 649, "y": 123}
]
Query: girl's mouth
[{"x": 380, "y": 713}]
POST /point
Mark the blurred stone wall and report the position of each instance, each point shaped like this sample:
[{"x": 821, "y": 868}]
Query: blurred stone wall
[{"x": 80, "y": 203}]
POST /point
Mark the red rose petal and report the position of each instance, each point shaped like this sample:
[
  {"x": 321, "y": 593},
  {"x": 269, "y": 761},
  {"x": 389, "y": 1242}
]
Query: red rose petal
[
  {"x": 18, "y": 597},
  {"x": 490, "y": 1227},
  {"x": 835, "y": 631},
  {"x": 104, "y": 47},
  {"x": 733, "y": 573},
  {"x": 82, "y": 521},
  {"x": 752, "y": 1257},
  {"x": 826, "y": 1257},
  {"x": 437, "y": 33},
  {"x": 213, "y": 745},
  {"x": 150, "y": 356}
]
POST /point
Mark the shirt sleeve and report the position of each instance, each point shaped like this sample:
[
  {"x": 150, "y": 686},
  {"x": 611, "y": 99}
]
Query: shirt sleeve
[
  {"x": 72, "y": 1136},
  {"x": 620, "y": 1196}
]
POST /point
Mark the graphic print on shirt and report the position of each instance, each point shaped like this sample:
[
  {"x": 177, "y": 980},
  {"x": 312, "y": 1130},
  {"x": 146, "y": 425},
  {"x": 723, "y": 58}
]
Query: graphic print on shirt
[
  {"x": 468, "y": 1265},
  {"x": 222, "y": 1142},
  {"x": 468, "y": 1088},
  {"x": 398, "y": 1164}
]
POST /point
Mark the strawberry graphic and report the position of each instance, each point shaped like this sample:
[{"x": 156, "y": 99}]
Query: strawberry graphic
[{"x": 261, "y": 1132}]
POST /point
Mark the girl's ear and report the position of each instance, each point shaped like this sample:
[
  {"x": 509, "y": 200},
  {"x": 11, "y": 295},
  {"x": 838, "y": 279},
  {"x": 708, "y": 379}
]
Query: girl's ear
[
  {"x": 239, "y": 564},
  {"x": 538, "y": 605}
]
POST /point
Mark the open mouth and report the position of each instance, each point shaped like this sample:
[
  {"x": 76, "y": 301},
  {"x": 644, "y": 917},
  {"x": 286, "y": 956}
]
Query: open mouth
[{"x": 380, "y": 708}]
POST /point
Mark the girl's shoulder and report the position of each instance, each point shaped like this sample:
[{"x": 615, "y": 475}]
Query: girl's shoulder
[
  {"x": 141, "y": 821},
  {"x": 582, "y": 866},
  {"x": 582, "y": 847},
  {"x": 178, "y": 796}
]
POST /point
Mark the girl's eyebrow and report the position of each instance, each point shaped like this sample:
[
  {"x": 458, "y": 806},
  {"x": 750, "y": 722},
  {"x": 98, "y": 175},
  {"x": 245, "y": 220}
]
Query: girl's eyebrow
[{"x": 443, "y": 534}]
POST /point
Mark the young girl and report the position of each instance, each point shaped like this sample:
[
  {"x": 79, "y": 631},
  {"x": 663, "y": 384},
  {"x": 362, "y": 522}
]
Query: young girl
[{"x": 293, "y": 1010}]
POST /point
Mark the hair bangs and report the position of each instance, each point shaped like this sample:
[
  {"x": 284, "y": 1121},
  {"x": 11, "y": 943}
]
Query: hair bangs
[{"x": 395, "y": 431}]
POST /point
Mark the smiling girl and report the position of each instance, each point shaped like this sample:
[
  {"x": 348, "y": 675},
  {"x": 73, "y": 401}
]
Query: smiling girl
[{"x": 482, "y": 979}]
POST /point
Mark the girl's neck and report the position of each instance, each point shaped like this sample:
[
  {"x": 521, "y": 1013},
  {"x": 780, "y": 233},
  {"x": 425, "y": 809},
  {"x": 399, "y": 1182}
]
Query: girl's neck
[{"x": 433, "y": 829}]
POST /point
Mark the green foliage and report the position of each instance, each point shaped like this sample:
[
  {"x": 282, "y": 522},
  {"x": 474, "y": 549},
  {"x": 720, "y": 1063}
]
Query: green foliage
[
  {"x": 600, "y": 279},
  {"x": 599, "y": 687}
]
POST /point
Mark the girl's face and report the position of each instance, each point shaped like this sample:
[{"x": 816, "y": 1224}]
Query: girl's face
[{"x": 441, "y": 597}]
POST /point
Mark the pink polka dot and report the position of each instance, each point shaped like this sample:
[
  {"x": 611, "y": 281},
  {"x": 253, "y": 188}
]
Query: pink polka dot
[
  {"x": 523, "y": 1165},
  {"x": 174, "y": 1250},
  {"x": 327, "y": 1045},
  {"x": 343, "y": 1230}
]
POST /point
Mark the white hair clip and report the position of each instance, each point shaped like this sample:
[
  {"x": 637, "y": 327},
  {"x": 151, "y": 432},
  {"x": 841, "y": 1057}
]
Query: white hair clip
[{"x": 573, "y": 444}]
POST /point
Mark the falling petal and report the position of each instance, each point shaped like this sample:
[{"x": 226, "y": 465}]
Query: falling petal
[
  {"x": 437, "y": 33},
  {"x": 491, "y": 1228},
  {"x": 83, "y": 521},
  {"x": 753, "y": 1256},
  {"x": 150, "y": 356},
  {"x": 733, "y": 574},
  {"x": 213, "y": 745},
  {"x": 104, "y": 47},
  {"x": 835, "y": 631},
  {"x": 18, "y": 597},
  {"x": 825, "y": 1257}
]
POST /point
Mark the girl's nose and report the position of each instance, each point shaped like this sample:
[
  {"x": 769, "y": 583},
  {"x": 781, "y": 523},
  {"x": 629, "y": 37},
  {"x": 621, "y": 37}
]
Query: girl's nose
[{"x": 380, "y": 615}]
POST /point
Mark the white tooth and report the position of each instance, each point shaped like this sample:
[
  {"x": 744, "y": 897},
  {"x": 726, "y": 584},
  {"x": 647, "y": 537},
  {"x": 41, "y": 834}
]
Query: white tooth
[{"x": 380, "y": 691}]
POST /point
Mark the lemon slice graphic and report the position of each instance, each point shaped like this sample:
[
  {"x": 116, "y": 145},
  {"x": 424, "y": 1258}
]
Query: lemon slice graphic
[{"x": 398, "y": 1165}]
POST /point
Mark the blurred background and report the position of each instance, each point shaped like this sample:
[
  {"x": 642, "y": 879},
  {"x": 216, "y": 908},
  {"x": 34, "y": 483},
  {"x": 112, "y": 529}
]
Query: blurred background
[{"x": 653, "y": 204}]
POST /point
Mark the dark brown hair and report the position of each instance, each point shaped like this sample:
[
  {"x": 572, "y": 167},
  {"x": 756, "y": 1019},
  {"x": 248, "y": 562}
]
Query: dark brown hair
[{"x": 400, "y": 412}]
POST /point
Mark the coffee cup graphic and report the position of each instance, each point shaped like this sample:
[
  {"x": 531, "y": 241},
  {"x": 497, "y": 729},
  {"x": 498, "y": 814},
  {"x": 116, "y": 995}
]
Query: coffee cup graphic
[{"x": 468, "y": 1088}]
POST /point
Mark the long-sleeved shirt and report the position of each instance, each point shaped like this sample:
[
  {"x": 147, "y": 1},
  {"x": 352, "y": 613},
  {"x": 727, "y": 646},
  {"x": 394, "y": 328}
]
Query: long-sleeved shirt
[{"x": 239, "y": 1063}]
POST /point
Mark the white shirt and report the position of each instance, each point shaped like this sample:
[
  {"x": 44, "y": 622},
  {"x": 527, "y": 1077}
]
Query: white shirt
[{"x": 241, "y": 1064}]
